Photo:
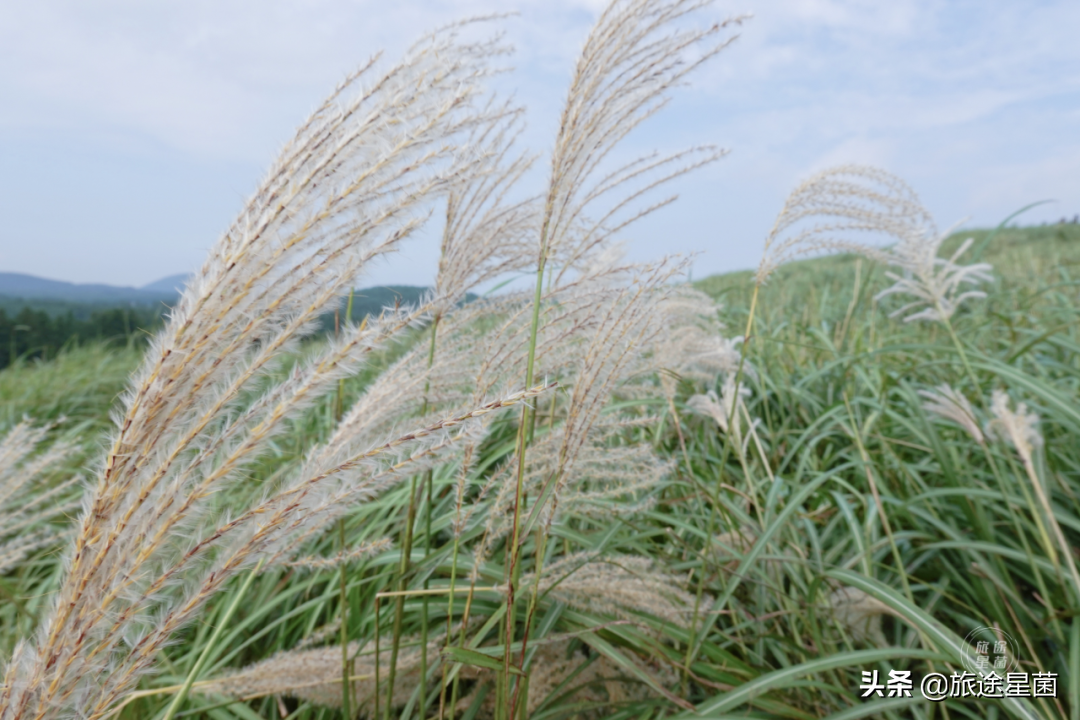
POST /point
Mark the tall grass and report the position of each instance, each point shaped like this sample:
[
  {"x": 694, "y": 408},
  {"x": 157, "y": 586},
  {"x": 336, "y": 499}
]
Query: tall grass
[
  {"x": 677, "y": 524},
  {"x": 782, "y": 645}
]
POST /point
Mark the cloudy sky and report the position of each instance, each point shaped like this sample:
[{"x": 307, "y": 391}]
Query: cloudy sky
[{"x": 131, "y": 132}]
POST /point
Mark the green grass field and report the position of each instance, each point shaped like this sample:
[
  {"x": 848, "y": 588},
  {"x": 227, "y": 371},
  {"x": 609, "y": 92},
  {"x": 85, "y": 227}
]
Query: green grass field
[{"x": 854, "y": 532}]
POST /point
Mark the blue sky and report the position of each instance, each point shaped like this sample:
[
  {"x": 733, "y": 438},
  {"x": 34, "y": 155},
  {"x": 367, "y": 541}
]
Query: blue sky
[{"x": 131, "y": 132}]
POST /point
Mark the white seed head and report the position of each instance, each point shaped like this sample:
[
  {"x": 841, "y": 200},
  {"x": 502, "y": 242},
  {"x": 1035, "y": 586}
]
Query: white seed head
[
  {"x": 860, "y": 614},
  {"x": 27, "y": 501},
  {"x": 949, "y": 404},
  {"x": 1019, "y": 427}
]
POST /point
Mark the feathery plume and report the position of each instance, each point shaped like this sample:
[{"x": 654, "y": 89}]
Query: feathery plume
[
  {"x": 486, "y": 235},
  {"x": 948, "y": 404},
  {"x": 851, "y": 199},
  {"x": 727, "y": 407},
  {"x": 595, "y": 337},
  {"x": 629, "y": 63},
  {"x": 598, "y": 688},
  {"x": 934, "y": 282},
  {"x": 26, "y": 506},
  {"x": 156, "y": 539},
  {"x": 693, "y": 347},
  {"x": 314, "y": 675},
  {"x": 356, "y": 554},
  {"x": 859, "y": 614},
  {"x": 1017, "y": 427},
  {"x": 1020, "y": 429},
  {"x": 601, "y": 478},
  {"x": 617, "y": 585}
]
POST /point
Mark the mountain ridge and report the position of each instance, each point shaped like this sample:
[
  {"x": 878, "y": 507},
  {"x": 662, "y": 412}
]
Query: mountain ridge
[{"x": 31, "y": 287}]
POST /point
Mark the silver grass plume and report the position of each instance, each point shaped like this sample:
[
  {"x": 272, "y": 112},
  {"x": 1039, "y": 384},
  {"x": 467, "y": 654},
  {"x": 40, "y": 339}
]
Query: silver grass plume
[
  {"x": 618, "y": 349},
  {"x": 634, "y": 55},
  {"x": 1018, "y": 427},
  {"x": 728, "y": 410},
  {"x": 487, "y": 234},
  {"x": 849, "y": 200},
  {"x": 630, "y": 61},
  {"x": 693, "y": 347},
  {"x": 27, "y": 503},
  {"x": 859, "y": 614},
  {"x": 949, "y": 404},
  {"x": 356, "y": 554},
  {"x": 597, "y": 685},
  {"x": 484, "y": 237},
  {"x": 934, "y": 282},
  {"x": 602, "y": 478},
  {"x": 314, "y": 675},
  {"x": 841, "y": 202},
  {"x": 596, "y": 336},
  {"x": 618, "y": 585},
  {"x": 155, "y": 540},
  {"x": 600, "y": 332}
]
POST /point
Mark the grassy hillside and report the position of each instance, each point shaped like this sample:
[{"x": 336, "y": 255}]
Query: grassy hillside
[
  {"x": 847, "y": 529},
  {"x": 820, "y": 289},
  {"x": 38, "y": 329}
]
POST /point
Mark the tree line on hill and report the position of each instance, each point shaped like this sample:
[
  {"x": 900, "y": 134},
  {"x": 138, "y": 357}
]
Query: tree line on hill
[{"x": 30, "y": 332}]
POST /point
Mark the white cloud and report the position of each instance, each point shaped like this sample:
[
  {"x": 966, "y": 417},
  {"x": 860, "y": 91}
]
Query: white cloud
[{"x": 975, "y": 103}]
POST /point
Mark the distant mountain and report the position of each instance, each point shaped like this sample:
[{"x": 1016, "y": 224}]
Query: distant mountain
[
  {"x": 29, "y": 287},
  {"x": 172, "y": 284},
  {"x": 56, "y": 297}
]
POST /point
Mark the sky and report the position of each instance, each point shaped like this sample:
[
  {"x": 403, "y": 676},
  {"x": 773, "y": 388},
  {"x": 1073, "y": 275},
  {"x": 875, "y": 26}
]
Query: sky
[{"x": 131, "y": 132}]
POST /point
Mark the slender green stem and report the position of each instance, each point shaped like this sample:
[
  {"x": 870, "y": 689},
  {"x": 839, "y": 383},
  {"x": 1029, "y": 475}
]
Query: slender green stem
[
  {"x": 513, "y": 567},
  {"x": 428, "y": 483},
  {"x": 1044, "y": 501},
  {"x": 375, "y": 713},
  {"x": 346, "y": 686},
  {"x": 449, "y": 619},
  {"x": 541, "y": 555},
  {"x": 404, "y": 566},
  {"x": 208, "y": 649},
  {"x": 399, "y": 601},
  {"x": 959, "y": 348},
  {"x": 461, "y": 640}
]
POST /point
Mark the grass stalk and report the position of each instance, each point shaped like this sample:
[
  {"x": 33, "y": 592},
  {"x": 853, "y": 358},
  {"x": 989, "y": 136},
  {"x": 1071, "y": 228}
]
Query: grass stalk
[
  {"x": 378, "y": 632},
  {"x": 346, "y": 670},
  {"x": 399, "y": 601},
  {"x": 428, "y": 483},
  {"x": 513, "y": 566},
  {"x": 1059, "y": 536},
  {"x": 211, "y": 644},
  {"x": 346, "y": 686},
  {"x": 449, "y": 620}
]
